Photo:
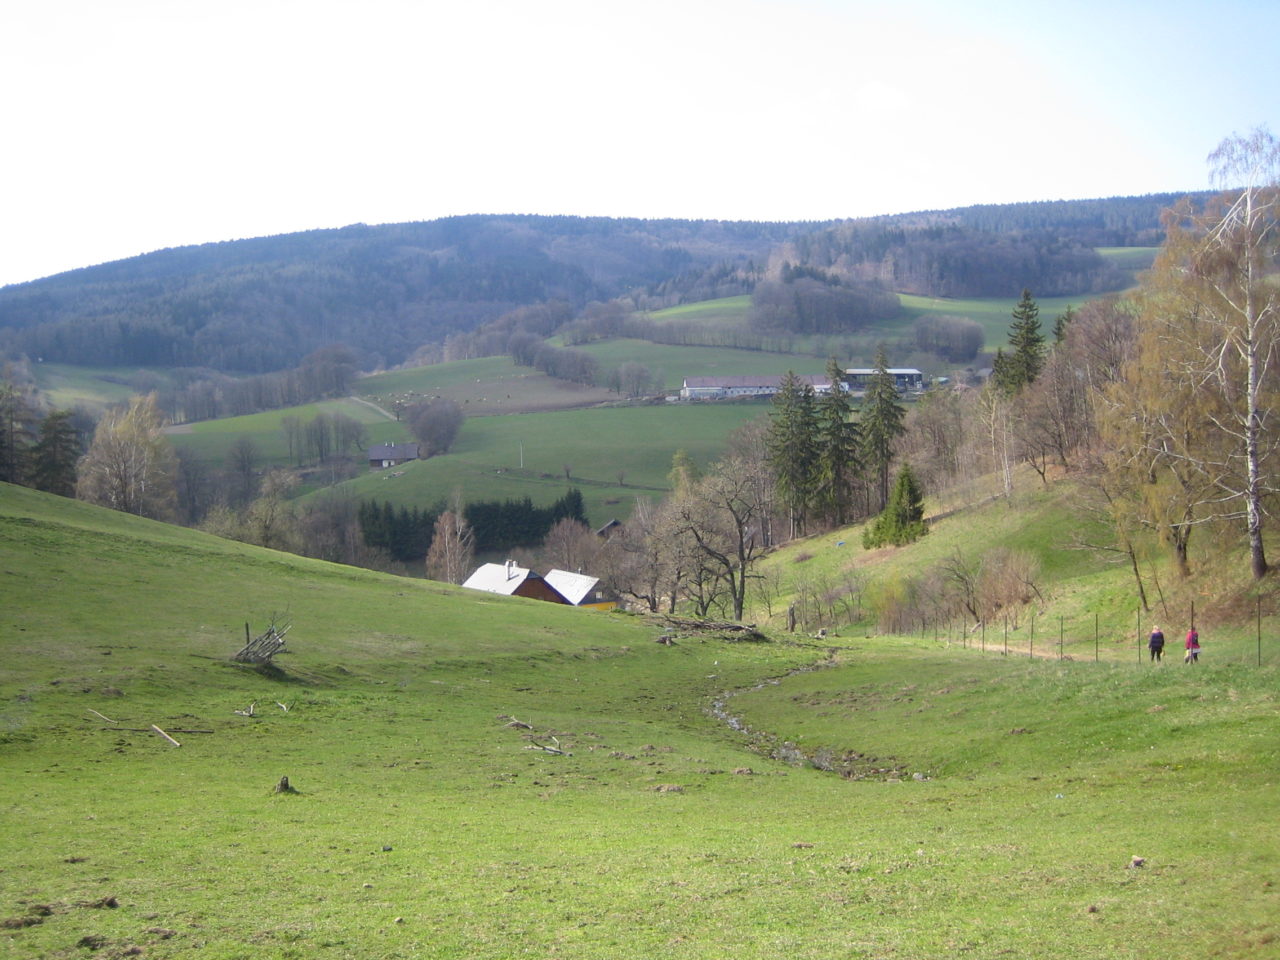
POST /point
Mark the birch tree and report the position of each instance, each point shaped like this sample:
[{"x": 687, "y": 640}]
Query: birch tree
[{"x": 130, "y": 465}]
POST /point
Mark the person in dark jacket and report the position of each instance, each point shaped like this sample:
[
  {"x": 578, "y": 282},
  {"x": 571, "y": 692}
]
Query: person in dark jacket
[{"x": 1156, "y": 643}]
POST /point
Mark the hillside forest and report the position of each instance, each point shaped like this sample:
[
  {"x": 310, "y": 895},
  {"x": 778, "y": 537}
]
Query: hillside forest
[{"x": 1156, "y": 400}]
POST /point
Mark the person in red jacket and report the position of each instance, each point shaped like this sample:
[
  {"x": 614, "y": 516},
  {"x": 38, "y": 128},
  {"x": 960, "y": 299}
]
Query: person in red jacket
[{"x": 1193, "y": 647}]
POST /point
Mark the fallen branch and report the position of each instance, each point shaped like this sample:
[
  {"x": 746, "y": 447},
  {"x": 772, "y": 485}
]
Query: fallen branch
[
  {"x": 149, "y": 729},
  {"x": 97, "y": 714},
  {"x": 165, "y": 735},
  {"x": 536, "y": 745},
  {"x": 246, "y": 713}
]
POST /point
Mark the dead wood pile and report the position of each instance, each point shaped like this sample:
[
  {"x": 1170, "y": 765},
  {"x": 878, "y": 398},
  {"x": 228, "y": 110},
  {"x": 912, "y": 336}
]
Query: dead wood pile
[{"x": 264, "y": 646}]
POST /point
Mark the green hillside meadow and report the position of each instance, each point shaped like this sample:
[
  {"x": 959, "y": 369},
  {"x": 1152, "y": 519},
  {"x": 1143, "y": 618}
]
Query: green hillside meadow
[{"x": 991, "y": 807}]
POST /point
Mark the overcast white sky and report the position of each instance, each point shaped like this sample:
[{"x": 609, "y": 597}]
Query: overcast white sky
[{"x": 132, "y": 125}]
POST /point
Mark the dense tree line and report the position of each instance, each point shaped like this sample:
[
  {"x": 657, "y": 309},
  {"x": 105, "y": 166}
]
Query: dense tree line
[
  {"x": 39, "y": 448},
  {"x": 501, "y": 524},
  {"x": 948, "y": 259},
  {"x": 405, "y": 533},
  {"x": 208, "y": 395}
]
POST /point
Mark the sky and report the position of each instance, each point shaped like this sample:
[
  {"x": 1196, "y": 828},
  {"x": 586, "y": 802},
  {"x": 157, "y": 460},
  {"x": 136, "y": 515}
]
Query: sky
[{"x": 128, "y": 126}]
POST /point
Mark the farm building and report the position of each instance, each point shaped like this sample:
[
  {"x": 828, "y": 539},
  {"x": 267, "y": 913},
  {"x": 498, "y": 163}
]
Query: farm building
[
  {"x": 383, "y": 455},
  {"x": 513, "y": 581},
  {"x": 724, "y": 388},
  {"x": 581, "y": 590},
  {"x": 908, "y": 379}
]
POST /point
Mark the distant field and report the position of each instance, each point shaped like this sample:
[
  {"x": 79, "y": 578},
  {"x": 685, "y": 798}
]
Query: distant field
[
  {"x": 66, "y": 386},
  {"x": 723, "y": 310},
  {"x": 211, "y": 439},
  {"x": 675, "y": 363},
  {"x": 994, "y": 314},
  {"x": 485, "y": 386},
  {"x": 597, "y": 444},
  {"x": 1130, "y": 258}
]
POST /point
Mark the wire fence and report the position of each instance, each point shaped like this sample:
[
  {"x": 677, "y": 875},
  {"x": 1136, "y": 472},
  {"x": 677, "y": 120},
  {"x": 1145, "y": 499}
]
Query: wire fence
[{"x": 1091, "y": 637}]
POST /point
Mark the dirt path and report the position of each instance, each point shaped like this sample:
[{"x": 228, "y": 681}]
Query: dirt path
[{"x": 373, "y": 406}]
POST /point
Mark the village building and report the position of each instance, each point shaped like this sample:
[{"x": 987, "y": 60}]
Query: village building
[
  {"x": 511, "y": 580},
  {"x": 906, "y": 379},
  {"x": 383, "y": 455},
  {"x": 725, "y": 388}
]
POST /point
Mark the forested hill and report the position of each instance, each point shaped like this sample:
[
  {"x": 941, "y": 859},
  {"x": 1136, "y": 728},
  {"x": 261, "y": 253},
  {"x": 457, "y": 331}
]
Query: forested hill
[
  {"x": 991, "y": 250},
  {"x": 263, "y": 304}
]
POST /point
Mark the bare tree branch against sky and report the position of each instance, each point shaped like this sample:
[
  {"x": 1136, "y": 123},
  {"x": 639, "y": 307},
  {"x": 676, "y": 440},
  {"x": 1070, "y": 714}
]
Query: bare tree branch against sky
[{"x": 140, "y": 124}]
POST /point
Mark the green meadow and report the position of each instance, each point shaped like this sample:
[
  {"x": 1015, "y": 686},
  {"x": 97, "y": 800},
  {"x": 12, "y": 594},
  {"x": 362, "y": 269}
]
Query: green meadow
[
  {"x": 482, "y": 387},
  {"x": 674, "y": 363},
  {"x": 211, "y": 440},
  {"x": 613, "y": 455},
  {"x": 66, "y": 386},
  {"x": 859, "y": 796},
  {"x": 722, "y": 310}
]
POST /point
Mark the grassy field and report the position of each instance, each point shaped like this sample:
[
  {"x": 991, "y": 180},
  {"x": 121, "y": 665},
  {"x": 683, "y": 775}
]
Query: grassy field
[
  {"x": 675, "y": 363},
  {"x": 210, "y": 440},
  {"x": 66, "y": 386},
  {"x": 596, "y": 444},
  {"x": 724, "y": 310},
  {"x": 993, "y": 314},
  {"x": 989, "y": 806},
  {"x": 482, "y": 387}
]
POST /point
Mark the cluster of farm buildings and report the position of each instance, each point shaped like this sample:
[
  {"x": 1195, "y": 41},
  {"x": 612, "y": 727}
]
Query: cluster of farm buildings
[{"x": 855, "y": 381}]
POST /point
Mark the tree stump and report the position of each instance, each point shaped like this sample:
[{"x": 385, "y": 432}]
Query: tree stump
[{"x": 283, "y": 786}]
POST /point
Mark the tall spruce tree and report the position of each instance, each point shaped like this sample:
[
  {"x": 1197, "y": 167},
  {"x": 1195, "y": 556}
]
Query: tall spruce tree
[
  {"x": 838, "y": 455},
  {"x": 1022, "y": 364},
  {"x": 881, "y": 423},
  {"x": 52, "y": 464},
  {"x": 793, "y": 447}
]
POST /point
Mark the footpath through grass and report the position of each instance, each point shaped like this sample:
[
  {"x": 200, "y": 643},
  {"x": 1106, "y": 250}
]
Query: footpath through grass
[{"x": 428, "y": 825}]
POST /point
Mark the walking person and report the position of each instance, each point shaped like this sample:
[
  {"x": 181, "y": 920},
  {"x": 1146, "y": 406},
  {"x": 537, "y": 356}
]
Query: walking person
[
  {"x": 1156, "y": 644},
  {"x": 1193, "y": 647}
]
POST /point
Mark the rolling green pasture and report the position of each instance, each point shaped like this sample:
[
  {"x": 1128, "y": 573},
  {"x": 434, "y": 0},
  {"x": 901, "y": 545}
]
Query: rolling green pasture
[
  {"x": 210, "y": 440},
  {"x": 993, "y": 314},
  {"x": 1133, "y": 259},
  {"x": 993, "y": 806},
  {"x": 723, "y": 310},
  {"x": 482, "y": 387},
  {"x": 597, "y": 444},
  {"x": 66, "y": 386},
  {"x": 677, "y": 362}
]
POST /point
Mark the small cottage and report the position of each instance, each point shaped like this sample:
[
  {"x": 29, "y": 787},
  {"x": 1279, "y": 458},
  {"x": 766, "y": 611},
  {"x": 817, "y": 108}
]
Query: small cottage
[{"x": 383, "y": 455}]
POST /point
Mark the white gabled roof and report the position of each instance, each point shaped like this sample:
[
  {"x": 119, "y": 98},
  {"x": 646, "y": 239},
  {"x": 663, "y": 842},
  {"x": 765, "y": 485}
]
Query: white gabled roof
[
  {"x": 574, "y": 587},
  {"x": 502, "y": 578}
]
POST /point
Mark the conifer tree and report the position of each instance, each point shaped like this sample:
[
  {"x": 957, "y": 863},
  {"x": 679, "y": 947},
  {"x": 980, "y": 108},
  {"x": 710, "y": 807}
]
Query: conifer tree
[
  {"x": 881, "y": 423},
  {"x": 54, "y": 454},
  {"x": 902, "y": 520},
  {"x": 1025, "y": 359},
  {"x": 793, "y": 447},
  {"x": 838, "y": 455}
]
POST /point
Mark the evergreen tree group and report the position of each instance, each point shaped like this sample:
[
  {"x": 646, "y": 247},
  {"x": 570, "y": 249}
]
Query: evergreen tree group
[{"x": 821, "y": 454}]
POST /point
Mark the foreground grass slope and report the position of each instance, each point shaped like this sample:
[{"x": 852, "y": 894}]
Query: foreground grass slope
[{"x": 426, "y": 827}]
